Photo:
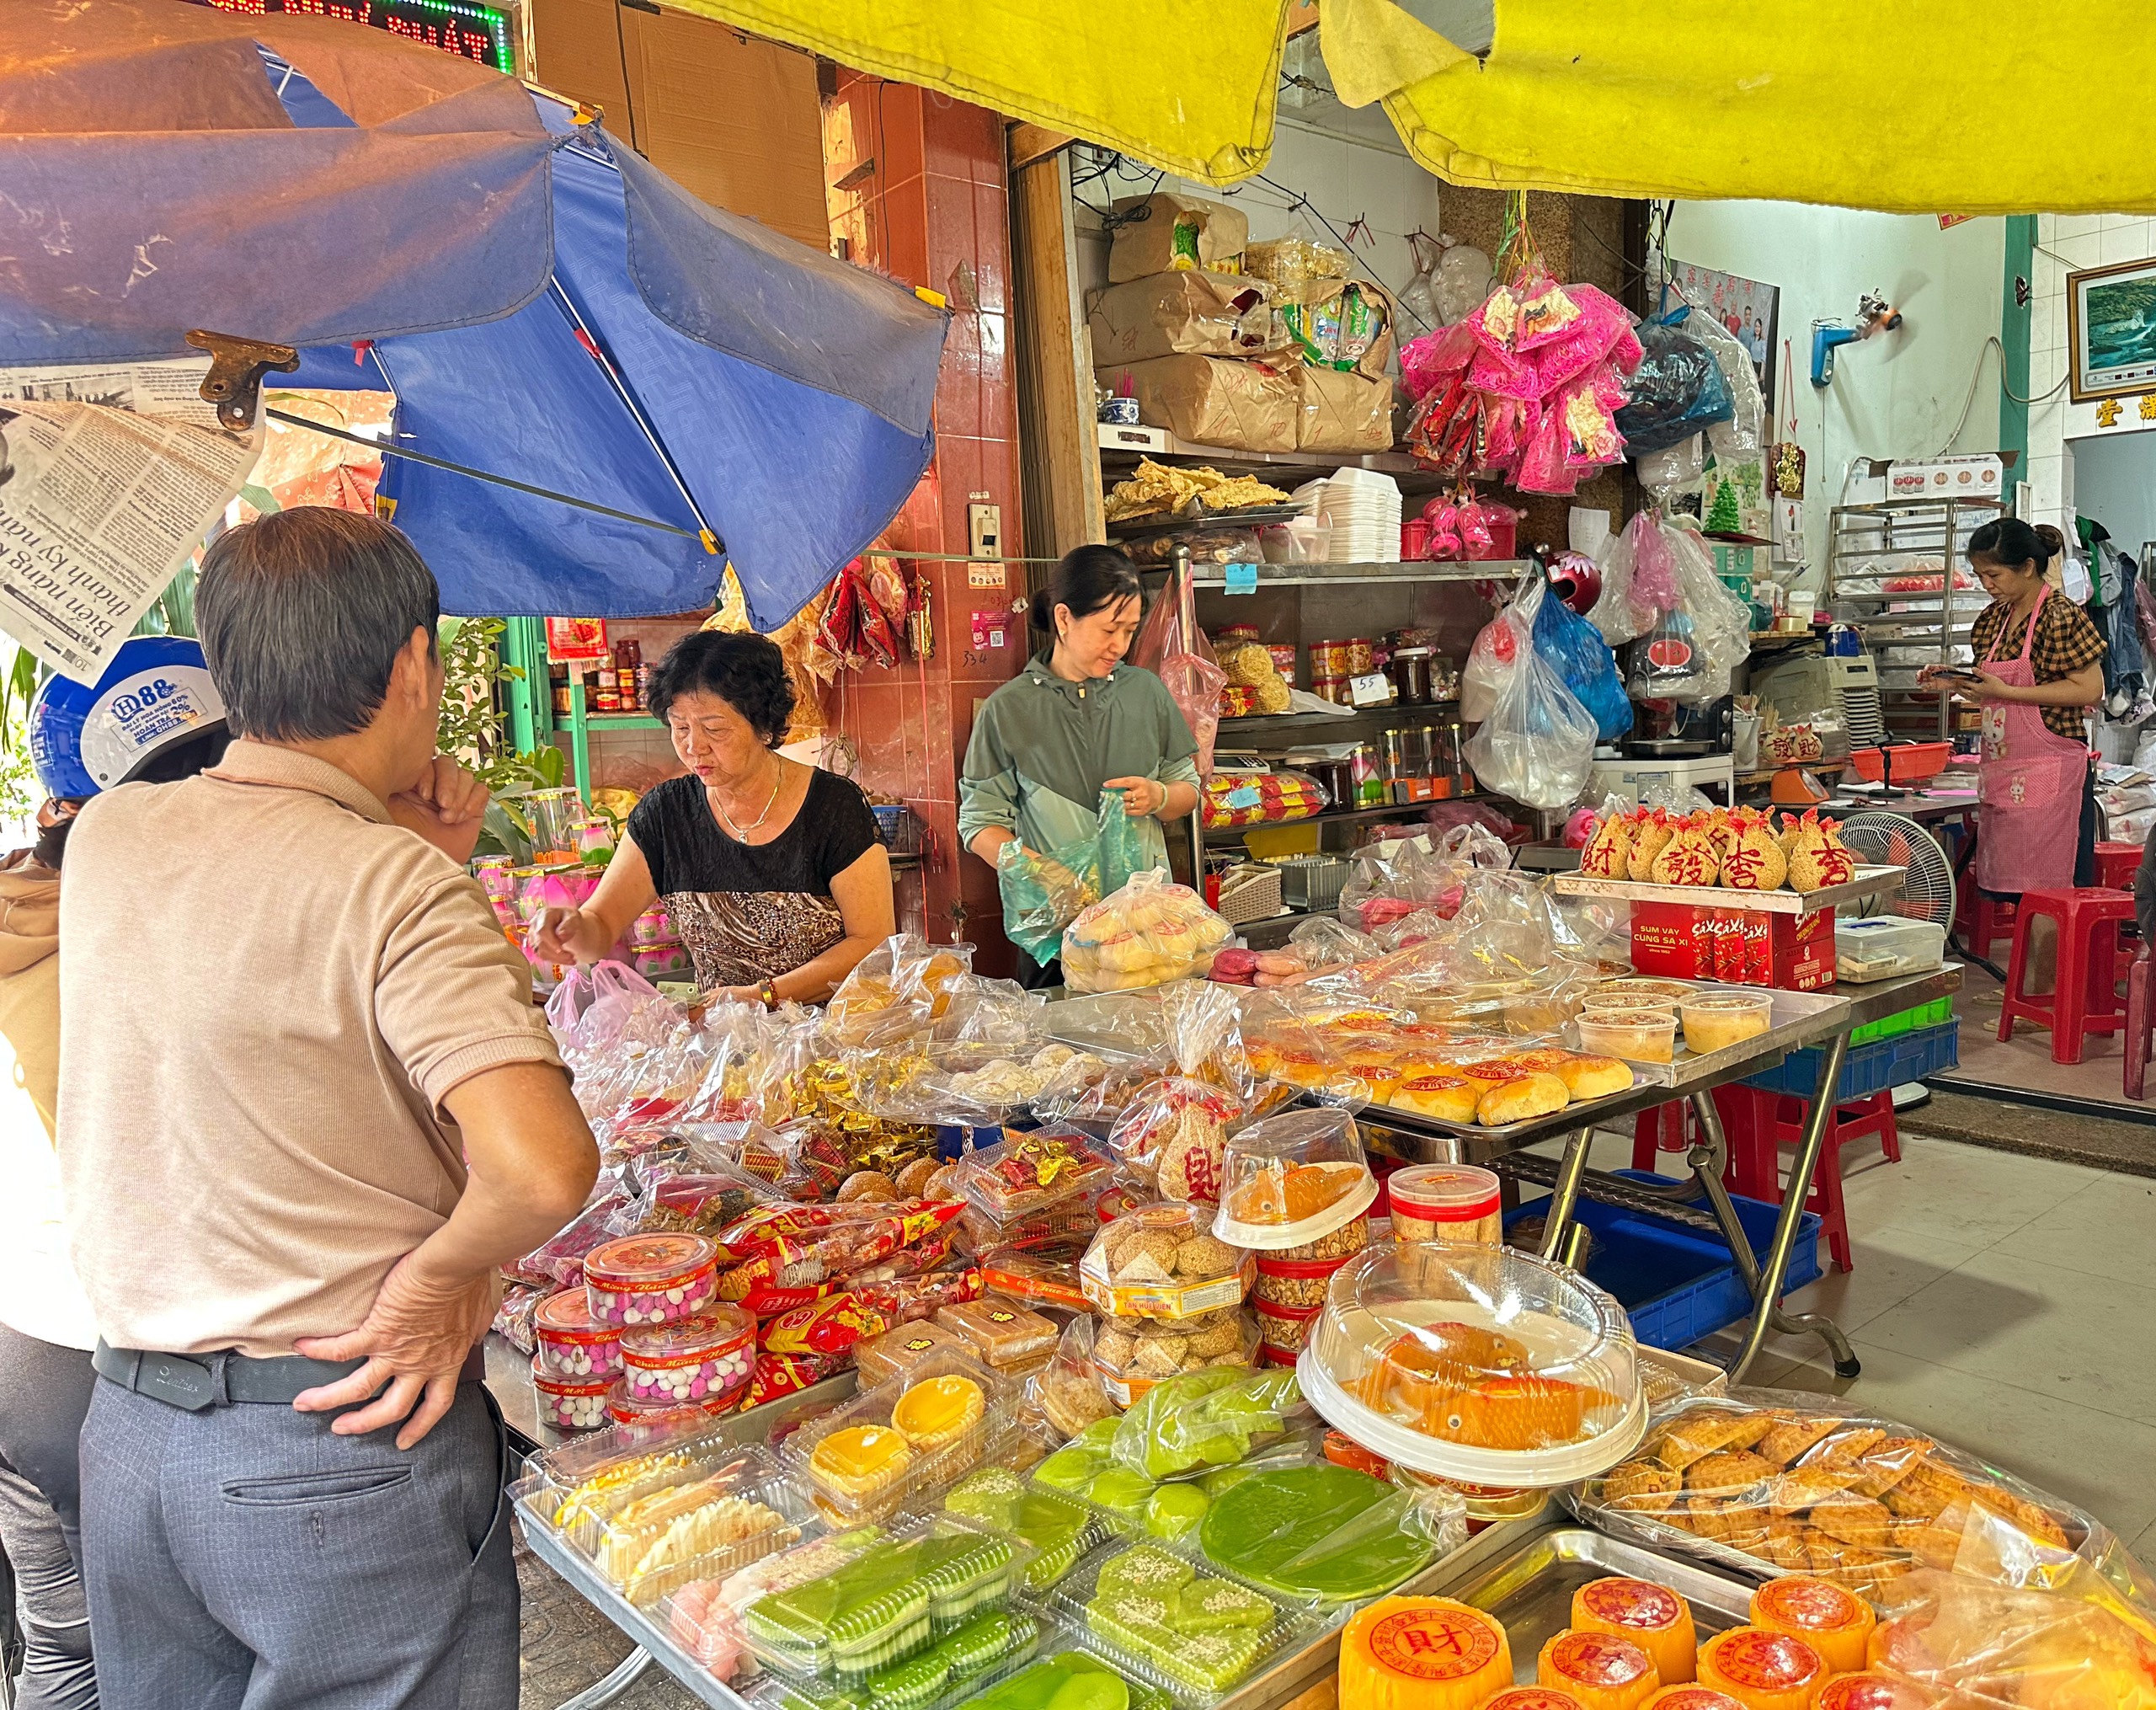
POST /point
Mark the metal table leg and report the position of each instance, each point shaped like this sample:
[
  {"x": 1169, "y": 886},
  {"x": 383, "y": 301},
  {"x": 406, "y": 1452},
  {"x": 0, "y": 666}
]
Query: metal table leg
[
  {"x": 1766, "y": 1286},
  {"x": 1565, "y": 1196},
  {"x": 625, "y": 1675}
]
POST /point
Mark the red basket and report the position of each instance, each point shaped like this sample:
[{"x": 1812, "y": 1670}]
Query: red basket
[{"x": 1906, "y": 763}]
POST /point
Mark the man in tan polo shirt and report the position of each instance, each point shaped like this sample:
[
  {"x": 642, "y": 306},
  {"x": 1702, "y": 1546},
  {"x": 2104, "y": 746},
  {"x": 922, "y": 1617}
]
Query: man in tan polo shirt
[{"x": 305, "y": 1109}]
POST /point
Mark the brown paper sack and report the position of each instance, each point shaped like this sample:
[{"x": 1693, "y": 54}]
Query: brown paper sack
[
  {"x": 1342, "y": 412},
  {"x": 1189, "y": 313},
  {"x": 1214, "y": 401},
  {"x": 1175, "y": 232}
]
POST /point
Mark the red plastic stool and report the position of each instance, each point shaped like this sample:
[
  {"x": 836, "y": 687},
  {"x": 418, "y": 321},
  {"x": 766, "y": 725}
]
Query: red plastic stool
[
  {"x": 2140, "y": 1024},
  {"x": 2117, "y": 863},
  {"x": 1981, "y": 920},
  {"x": 2085, "y": 995},
  {"x": 1781, "y": 1117},
  {"x": 1669, "y": 1128}
]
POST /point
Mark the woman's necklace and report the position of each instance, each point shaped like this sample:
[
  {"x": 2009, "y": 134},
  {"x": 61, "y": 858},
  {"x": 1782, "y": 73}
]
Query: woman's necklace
[{"x": 740, "y": 833}]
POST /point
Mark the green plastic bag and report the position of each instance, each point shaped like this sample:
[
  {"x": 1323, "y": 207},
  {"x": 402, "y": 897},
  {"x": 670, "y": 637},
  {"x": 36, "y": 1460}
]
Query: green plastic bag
[{"x": 1043, "y": 892}]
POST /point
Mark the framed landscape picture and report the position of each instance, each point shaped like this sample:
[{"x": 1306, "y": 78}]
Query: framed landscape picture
[{"x": 2111, "y": 330}]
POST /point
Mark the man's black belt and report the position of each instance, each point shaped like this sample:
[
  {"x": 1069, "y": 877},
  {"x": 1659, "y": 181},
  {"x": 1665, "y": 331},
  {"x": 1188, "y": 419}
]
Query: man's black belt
[{"x": 195, "y": 1381}]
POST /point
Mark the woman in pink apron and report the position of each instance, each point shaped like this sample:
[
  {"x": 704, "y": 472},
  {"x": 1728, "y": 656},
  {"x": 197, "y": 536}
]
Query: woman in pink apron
[{"x": 2039, "y": 662}]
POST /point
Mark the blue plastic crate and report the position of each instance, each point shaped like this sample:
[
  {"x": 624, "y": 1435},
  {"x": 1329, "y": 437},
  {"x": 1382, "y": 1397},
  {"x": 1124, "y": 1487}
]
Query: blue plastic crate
[
  {"x": 1871, "y": 1067},
  {"x": 1677, "y": 1284}
]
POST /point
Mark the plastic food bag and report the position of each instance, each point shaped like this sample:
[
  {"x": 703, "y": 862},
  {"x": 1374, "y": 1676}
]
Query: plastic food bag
[
  {"x": 1151, "y": 931},
  {"x": 1701, "y": 637},
  {"x": 1537, "y": 745},
  {"x": 1171, "y": 645},
  {"x": 1269, "y": 797},
  {"x": 905, "y": 971},
  {"x": 1676, "y": 390},
  {"x": 1768, "y": 1480},
  {"x": 1174, "y": 1139},
  {"x": 1976, "y": 1645},
  {"x": 1571, "y": 645},
  {"x": 1203, "y": 1419},
  {"x": 1491, "y": 662},
  {"x": 1389, "y": 881}
]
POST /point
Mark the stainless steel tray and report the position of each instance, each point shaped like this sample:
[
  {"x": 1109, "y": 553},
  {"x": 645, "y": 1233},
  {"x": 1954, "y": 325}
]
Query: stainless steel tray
[
  {"x": 1529, "y": 1588},
  {"x": 1796, "y": 1017},
  {"x": 1870, "y": 881}
]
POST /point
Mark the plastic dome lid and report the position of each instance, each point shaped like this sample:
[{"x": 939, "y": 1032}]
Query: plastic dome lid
[
  {"x": 1476, "y": 1363},
  {"x": 1293, "y": 1178},
  {"x": 567, "y": 1318}
]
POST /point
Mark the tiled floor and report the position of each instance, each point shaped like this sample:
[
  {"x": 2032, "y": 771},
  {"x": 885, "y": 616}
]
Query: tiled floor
[{"x": 2003, "y": 1304}]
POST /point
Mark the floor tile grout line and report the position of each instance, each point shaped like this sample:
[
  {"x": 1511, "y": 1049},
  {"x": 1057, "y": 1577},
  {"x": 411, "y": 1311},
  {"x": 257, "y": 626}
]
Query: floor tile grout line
[{"x": 1860, "y": 1344}]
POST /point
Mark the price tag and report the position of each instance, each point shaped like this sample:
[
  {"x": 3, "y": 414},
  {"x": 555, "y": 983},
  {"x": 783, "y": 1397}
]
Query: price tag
[
  {"x": 1374, "y": 690},
  {"x": 1242, "y": 579},
  {"x": 1247, "y": 796}
]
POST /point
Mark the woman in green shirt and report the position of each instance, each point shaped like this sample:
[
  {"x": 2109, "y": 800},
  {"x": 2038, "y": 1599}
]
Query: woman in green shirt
[{"x": 1076, "y": 721}]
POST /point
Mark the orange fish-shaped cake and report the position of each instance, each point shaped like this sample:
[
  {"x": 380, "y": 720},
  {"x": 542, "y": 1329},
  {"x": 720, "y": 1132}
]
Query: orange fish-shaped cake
[
  {"x": 1418, "y": 1368},
  {"x": 1607, "y": 852},
  {"x": 1648, "y": 837},
  {"x": 1514, "y": 1413},
  {"x": 1757, "y": 862}
]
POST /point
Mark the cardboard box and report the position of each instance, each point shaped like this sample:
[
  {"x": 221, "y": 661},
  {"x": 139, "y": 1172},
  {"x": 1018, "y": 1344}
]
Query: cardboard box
[
  {"x": 1342, "y": 412},
  {"x": 1175, "y": 232},
  {"x": 1190, "y": 313},
  {"x": 1977, "y": 476},
  {"x": 1216, "y": 401},
  {"x": 1742, "y": 947}
]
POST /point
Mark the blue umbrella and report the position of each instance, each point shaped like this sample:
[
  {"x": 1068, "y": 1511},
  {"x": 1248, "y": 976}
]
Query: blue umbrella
[{"x": 652, "y": 380}]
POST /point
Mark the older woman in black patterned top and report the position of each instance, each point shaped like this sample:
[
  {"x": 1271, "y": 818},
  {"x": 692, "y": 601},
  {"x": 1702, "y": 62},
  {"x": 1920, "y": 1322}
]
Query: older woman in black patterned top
[{"x": 772, "y": 870}]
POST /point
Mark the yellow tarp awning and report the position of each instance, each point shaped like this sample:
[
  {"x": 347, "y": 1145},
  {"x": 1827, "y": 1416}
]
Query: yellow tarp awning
[
  {"x": 1918, "y": 106},
  {"x": 1185, "y": 85}
]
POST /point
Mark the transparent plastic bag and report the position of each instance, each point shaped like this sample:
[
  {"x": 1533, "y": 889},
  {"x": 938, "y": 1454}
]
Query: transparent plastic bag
[
  {"x": 1676, "y": 390},
  {"x": 1536, "y": 746},
  {"x": 1976, "y": 1645},
  {"x": 1044, "y": 891},
  {"x": 1700, "y": 639},
  {"x": 1171, "y": 645},
  {"x": 904, "y": 970},
  {"x": 1199, "y": 1420},
  {"x": 1311, "y": 1529},
  {"x": 1491, "y": 663},
  {"x": 1737, "y": 440},
  {"x": 1639, "y": 582},
  {"x": 1151, "y": 931},
  {"x": 1388, "y": 881},
  {"x": 1768, "y": 1480},
  {"x": 1174, "y": 1138}
]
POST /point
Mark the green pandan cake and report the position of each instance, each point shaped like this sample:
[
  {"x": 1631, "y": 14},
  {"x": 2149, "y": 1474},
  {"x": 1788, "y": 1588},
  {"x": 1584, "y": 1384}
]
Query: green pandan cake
[{"x": 1322, "y": 1531}]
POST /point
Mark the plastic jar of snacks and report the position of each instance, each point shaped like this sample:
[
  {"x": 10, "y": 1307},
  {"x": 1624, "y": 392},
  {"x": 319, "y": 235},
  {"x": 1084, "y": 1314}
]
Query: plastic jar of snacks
[
  {"x": 573, "y": 1344},
  {"x": 624, "y": 1408},
  {"x": 571, "y": 1404},
  {"x": 1296, "y": 1283},
  {"x": 651, "y": 1279},
  {"x": 690, "y": 1360},
  {"x": 1283, "y": 1330},
  {"x": 1453, "y": 1203}
]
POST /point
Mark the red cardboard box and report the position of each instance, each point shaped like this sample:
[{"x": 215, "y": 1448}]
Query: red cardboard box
[{"x": 1742, "y": 946}]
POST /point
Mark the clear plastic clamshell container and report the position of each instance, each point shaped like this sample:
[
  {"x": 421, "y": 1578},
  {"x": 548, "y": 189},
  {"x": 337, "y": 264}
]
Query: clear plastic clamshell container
[
  {"x": 1024, "y": 1172},
  {"x": 939, "y": 1418},
  {"x": 1476, "y": 1362},
  {"x": 1172, "y": 1623},
  {"x": 1164, "y": 1262},
  {"x": 653, "y": 1507},
  {"x": 898, "y": 1349},
  {"x": 1293, "y": 1179},
  {"x": 898, "y": 1594},
  {"x": 1060, "y": 1529},
  {"x": 1005, "y": 1334}
]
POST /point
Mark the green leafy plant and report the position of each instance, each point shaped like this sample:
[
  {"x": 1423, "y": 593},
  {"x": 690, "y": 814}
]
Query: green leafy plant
[{"x": 471, "y": 731}]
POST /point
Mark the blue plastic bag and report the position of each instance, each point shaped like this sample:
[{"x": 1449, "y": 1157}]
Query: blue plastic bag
[
  {"x": 1678, "y": 389},
  {"x": 1577, "y": 652}
]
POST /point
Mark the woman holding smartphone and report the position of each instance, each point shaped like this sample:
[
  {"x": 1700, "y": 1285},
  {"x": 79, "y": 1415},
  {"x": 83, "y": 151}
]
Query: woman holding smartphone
[{"x": 2039, "y": 664}]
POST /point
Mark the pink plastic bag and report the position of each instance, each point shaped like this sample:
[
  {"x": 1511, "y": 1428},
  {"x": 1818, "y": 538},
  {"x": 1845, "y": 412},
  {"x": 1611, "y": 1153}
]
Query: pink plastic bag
[
  {"x": 1172, "y": 647},
  {"x": 1427, "y": 362}
]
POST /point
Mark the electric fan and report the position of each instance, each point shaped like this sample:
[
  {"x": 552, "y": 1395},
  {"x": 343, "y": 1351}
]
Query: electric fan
[{"x": 1894, "y": 839}]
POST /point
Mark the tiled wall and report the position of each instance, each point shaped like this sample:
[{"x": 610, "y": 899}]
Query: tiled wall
[
  {"x": 2066, "y": 243},
  {"x": 926, "y": 201}
]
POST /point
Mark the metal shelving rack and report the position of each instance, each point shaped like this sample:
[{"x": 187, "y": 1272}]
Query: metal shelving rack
[{"x": 1869, "y": 544}]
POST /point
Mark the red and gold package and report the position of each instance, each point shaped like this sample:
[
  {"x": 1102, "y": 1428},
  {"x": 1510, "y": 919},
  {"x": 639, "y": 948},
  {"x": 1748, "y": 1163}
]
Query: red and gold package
[
  {"x": 797, "y": 1246},
  {"x": 778, "y": 1375},
  {"x": 770, "y": 1301},
  {"x": 834, "y": 1324}
]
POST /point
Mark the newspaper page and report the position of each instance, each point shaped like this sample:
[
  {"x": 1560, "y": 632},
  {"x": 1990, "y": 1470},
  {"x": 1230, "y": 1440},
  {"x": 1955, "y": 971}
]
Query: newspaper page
[{"x": 109, "y": 478}]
